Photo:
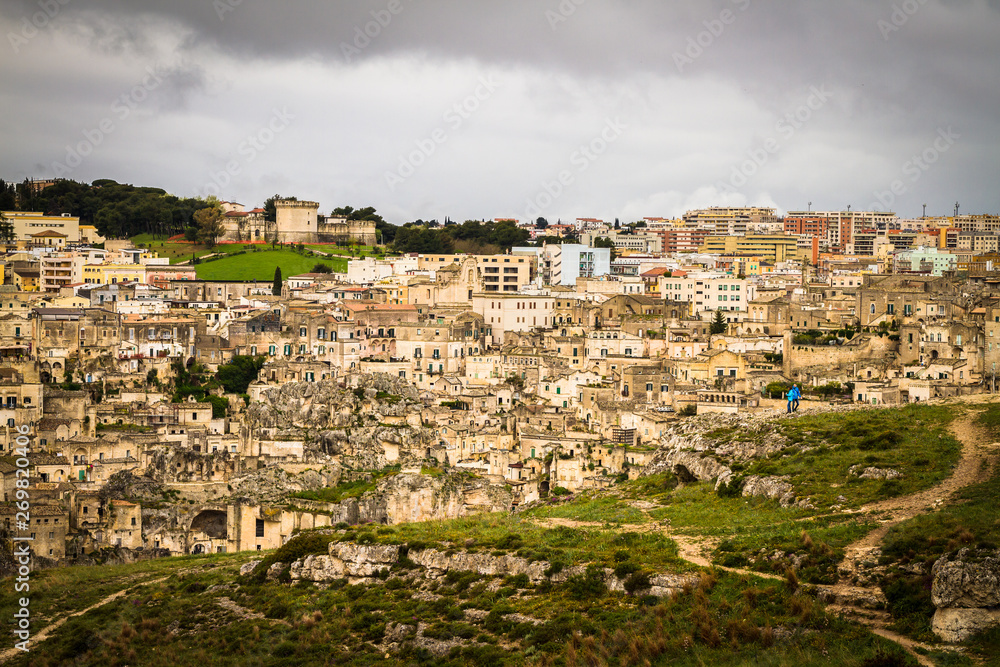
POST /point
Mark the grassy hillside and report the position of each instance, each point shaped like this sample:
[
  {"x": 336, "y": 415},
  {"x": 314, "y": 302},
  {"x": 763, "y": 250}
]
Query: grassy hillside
[
  {"x": 198, "y": 611},
  {"x": 260, "y": 265},
  {"x": 766, "y": 611}
]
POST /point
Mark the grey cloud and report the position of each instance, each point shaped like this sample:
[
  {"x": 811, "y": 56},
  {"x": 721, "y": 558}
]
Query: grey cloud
[{"x": 891, "y": 91}]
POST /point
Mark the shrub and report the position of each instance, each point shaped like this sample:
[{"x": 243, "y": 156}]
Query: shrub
[
  {"x": 588, "y": 585},
  {"x": 623, "y": 570},
  {"x": 637, "y": 581},
  {"x": 731, "y": 489}
]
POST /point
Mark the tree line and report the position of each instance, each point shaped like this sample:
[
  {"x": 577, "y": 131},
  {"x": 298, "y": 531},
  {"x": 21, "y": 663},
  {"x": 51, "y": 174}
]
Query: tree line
[{"x": 117, "y": 210}]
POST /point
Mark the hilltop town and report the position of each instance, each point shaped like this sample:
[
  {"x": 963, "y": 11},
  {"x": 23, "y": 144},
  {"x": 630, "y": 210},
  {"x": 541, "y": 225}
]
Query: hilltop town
[{"x": 170, "y": 414}]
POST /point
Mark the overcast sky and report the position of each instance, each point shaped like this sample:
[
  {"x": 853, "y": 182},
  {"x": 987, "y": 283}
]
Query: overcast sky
[{"x": 580, "y": 108}]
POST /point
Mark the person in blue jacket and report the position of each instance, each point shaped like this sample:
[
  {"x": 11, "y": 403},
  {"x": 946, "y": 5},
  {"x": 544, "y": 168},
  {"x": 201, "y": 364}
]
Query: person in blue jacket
[{"x": 793, "y": 398}]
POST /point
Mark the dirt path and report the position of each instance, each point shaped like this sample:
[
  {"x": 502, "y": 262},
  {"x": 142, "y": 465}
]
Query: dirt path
[
  {"x": 693, "y": 549},
  {"x": 976, "y": 450},
  {"x": 42, "y": 635}
]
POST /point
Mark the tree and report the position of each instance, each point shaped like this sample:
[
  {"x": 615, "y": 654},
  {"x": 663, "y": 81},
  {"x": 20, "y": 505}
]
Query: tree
[
  {"x": 276, "y": 286},
  {"x": 237, "y": 375},
  {"x": 320, "y": 267},
  {"x": 6, "y": 229},
  {"x": 605, "y": 242},
  {"x": 270, "y": 210},
  {"x": 719, "y": 324},
  {"x": 541, "y": 223},
  {"x": 209, "y": 223}
]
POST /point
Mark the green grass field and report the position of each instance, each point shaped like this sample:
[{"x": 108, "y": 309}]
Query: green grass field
[
  {"x": 180, "y": 251},
  {"x": 260, "y": 266}
]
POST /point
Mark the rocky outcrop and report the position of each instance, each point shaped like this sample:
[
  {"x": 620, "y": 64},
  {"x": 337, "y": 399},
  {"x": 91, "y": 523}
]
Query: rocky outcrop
[
  {"x": 359, "y": 562},
  {"x": 966, "y": 592},
  {"x": 437, "y": 563},
  {"x": 875, "y": 473},
  {"x": 688, "y": 466},
  {"x": 412, "y": 497},
  {"x": 775, "y": 488},
  {"x": 953, "y": 624},
  {"x": 346, "y": 560},
  {"x": 273, "y": 484}
]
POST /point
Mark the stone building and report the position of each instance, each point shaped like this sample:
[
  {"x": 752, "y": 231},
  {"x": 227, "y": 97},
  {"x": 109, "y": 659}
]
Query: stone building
[{"x": 300, "y": 222}]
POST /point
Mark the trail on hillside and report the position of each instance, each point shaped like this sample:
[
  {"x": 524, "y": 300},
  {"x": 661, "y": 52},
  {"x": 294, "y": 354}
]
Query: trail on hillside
[
  {"x": 976, "y": 451},
  {"x": 974, "y": 465},
  {"x": 38, "y": 637},
  {"x": 860, "y": 602}
]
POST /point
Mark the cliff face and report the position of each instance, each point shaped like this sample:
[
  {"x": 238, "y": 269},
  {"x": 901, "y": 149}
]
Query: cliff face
[
  {"x": 410, "y": 497},
  {"x": 368, "y": 428}
]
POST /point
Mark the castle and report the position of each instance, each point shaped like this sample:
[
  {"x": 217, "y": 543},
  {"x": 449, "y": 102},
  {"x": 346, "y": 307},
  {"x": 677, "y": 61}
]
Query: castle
[{"x": 295, "y": 222}]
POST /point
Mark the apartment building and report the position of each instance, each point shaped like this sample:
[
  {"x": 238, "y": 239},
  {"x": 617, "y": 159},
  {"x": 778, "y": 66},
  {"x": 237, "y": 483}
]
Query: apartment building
[
  {"x": 770, "y": 247},
  {"x": 709, "y": 292},
  {"x": 507, "y": 273}
]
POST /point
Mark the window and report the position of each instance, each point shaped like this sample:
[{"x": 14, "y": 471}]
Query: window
[{"x": 260, "y": 529}]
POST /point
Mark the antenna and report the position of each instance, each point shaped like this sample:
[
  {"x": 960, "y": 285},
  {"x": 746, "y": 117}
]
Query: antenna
[
  {"x": 810, "y": 207},
  {"x": 956, "y": 209},
  {"x": 925, "y": 210}
]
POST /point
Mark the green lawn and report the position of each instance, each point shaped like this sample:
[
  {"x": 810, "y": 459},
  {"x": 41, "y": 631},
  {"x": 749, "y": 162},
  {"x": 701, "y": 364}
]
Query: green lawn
[
  {"x": 260, "y": 266},
  {"x": 179, "y": 251}
]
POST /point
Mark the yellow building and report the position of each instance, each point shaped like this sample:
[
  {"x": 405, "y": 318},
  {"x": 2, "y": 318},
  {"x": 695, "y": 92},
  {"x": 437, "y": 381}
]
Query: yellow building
[
  {"x": 28, "y": 223},
  {"x": 27, "y": 280},
  {"x": 768, "y": 247},
  {"x": 111, "y": 274},
  {"x": 48, "y": 239},
  {"x": 88, "y": 234}
]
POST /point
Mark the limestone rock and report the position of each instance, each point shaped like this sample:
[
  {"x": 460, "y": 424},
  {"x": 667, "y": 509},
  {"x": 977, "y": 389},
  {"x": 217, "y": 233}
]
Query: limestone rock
[
  {"x": 875, "y": 473},
  {"x": 768, "y": 487},
  {"x": 969, "y": 579},
  {"x": 275, "y": 571},
  {"x": 345, "y": 560},
  {"x": 248, "y": 568},
  {"x": 437, "y": 563},
  {"x": 955, "y": 624}
]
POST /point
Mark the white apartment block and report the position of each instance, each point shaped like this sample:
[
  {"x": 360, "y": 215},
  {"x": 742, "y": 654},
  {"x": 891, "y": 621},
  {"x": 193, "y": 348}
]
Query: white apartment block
[
  {"x": 709, "y": 293},
  {"x": 512, "y": 312}
]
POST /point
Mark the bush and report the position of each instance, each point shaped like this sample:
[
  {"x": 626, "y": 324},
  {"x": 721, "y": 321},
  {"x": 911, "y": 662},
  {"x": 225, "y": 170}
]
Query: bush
[
  {"x": 560, "y": 491},
  {"x": 731, "y": 489},
  {"x": 637, "y": 581},
  {"x": 588, "y": 585}
]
